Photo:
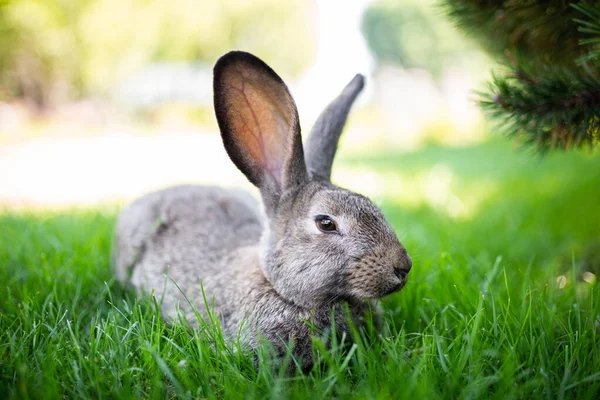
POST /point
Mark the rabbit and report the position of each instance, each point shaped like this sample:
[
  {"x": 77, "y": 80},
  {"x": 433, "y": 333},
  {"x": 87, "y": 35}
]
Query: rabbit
[{"x": 272, "y": 271}]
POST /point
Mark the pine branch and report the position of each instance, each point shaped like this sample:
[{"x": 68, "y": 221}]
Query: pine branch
[
  {"x": 550, "y": 95},
  {"x": 559, "y": 111},
  {"x": 590, "y": 27},
  {"x": 538, "y": 31}
]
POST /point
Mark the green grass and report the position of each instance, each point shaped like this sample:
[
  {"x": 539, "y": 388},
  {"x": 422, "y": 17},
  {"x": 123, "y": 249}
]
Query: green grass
[{"x": 502, "y": 300}]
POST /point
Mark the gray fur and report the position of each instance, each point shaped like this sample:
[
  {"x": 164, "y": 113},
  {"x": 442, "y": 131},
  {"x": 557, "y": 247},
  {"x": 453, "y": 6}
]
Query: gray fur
[
  {"x": 322, "y": 143},
  {"x": 263, "y": 275}
]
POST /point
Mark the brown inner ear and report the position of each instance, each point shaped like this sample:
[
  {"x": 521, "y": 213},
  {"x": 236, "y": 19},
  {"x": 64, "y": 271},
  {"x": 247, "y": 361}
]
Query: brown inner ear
[{"x": 261, "y": 118}]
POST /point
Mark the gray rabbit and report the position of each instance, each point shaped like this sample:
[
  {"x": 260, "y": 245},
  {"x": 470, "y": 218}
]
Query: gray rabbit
[{"x": 272, "y": 275}]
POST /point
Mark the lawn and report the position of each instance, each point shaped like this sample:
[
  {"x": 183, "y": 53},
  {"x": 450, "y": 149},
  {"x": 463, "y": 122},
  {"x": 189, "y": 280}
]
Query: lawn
[{"x": 503, "y": 299}]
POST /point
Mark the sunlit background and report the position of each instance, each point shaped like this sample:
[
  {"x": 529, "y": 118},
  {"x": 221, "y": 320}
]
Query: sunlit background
[{"x": 104, "y": 100}]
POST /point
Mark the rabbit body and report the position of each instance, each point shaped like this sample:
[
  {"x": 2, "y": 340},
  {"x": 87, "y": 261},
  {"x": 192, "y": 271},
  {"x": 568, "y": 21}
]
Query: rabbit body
[
  {"x": 191, "y": 234},
  {"x": 280, "y": 274}
]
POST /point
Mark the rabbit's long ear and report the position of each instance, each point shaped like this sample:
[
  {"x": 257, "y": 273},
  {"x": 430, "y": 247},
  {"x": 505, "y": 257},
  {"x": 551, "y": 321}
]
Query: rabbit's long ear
[
  {"x": 259, "y": 124},
  {"x": 322, "y": 142}
]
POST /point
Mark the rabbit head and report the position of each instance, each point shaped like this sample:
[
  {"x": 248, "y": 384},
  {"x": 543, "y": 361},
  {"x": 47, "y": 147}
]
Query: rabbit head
[{"x": 321, "y": 243}]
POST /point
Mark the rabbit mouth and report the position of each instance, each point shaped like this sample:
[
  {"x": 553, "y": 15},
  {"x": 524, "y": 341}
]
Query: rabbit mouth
[{"x": 396, "y": 288}]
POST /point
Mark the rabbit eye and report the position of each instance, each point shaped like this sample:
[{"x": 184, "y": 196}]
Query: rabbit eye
[{"x": 325, "y": 224}]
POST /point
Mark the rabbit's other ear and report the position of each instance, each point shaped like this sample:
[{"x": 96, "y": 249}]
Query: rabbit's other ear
[
  {"x": 322, "y": 142},
  {"x": 259, "y": 124}
]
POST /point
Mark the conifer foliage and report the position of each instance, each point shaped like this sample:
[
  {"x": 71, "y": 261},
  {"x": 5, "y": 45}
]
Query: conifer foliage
[{"x": 548, "y": 95}]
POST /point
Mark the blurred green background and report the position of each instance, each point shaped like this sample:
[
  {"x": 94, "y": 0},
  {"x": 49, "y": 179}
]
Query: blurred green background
[
  {"x": 58, "y": 50},
  {"x": 84, "y": 82}
]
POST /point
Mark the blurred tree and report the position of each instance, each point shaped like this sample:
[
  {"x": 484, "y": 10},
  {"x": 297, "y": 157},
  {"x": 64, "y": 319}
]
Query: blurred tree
[
  {"x": 412, "y": 34},
  {"x": 57, "y": 50},
  {"x": 38, "y": 50},
  {"x": 550, "y": 94}
]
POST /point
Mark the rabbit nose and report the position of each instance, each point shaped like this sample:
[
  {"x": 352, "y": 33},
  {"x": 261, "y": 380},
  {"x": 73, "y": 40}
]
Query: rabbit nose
[
  {"x": 407, "y": 263},
  {"x": 400, "y": 273},
  {"x": 404, "y": 268}
]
